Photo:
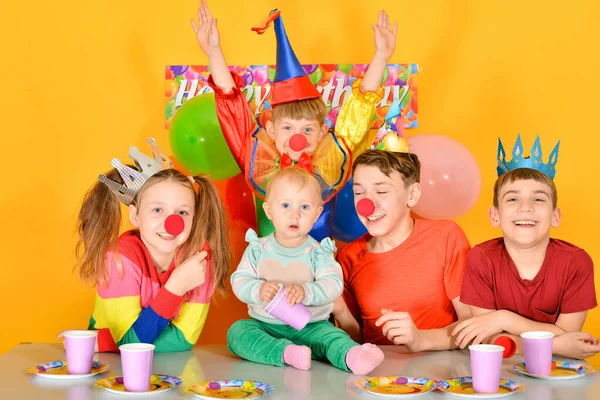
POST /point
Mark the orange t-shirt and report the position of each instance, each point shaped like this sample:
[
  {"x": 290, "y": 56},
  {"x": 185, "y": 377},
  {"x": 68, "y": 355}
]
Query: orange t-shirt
[{"x": 421, "y": 276}]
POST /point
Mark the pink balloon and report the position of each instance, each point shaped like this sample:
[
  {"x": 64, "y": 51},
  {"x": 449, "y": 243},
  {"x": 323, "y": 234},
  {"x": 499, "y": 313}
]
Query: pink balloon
[
  {"x": 450, "y": 177},
  {"x": 190, "y": 74},
  {"x": 261, "y": 75},
  {"x": 339, "y": 75}
]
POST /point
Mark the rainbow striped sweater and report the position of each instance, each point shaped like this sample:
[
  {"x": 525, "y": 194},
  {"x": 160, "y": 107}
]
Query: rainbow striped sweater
[{"x": 135, "y": 307}]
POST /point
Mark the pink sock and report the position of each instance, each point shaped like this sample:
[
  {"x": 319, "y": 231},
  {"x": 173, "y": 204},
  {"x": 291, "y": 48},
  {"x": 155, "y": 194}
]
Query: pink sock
[
  {"x": 297, "y": 356},
  {"x": 363, "y": 359}
]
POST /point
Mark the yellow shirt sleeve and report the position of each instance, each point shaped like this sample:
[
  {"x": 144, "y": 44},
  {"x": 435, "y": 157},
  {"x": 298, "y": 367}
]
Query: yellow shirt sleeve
[{"x": 356, "y": 117}]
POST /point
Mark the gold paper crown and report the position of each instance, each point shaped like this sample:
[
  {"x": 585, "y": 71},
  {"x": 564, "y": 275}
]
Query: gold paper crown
[{"x": 135, "y": 179}]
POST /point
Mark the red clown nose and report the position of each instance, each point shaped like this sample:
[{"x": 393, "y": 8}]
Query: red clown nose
[
  {"x": 297, "y": 142},
  {"x": 174, "y": 224},
  {"x": 365, "y": 207}
]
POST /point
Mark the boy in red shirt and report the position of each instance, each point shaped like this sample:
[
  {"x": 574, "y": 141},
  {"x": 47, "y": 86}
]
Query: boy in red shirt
[
  {"x": 414, "y": 267},
  {"x": 526, "y": 281}
]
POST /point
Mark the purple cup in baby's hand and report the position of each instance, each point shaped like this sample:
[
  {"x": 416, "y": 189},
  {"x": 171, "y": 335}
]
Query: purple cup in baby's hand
[
  {"x": 136, "y": 362},
  {"x": 296, "y": 316},
  {"x": 537, "y": 348},
  {"x": 486, "y": 364},
  {"x": 79, "y": 348}
]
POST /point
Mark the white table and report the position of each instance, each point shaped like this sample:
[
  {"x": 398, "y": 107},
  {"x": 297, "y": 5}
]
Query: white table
[{"x": 323, "y": 381}]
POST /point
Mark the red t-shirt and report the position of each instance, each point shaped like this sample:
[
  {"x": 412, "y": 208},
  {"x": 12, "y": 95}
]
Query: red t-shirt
[
  {"x": 421, "y": 276},
  {"x": 564, "y": 284}
]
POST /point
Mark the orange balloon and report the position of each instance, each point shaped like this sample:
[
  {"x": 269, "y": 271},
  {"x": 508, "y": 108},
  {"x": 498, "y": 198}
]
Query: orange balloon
[
  {"x": 198, "y": 68},
  {"x": 264, "y": 117},
  {"x": 171, "y": 88},
  {"x": 412, "y": 82},
  {"x": 328, "y": 67}
]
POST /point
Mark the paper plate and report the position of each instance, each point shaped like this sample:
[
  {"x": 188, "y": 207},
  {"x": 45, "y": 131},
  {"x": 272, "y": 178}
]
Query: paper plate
[
  {"x": 463, "y": 387},
  {"x": 236, "y": 389},
  {"x": 560, "y": 370},
  {"x": 396, "y": 386},
  {"x": 158, "y": 384},
  {"x": 58, "y": 370}
]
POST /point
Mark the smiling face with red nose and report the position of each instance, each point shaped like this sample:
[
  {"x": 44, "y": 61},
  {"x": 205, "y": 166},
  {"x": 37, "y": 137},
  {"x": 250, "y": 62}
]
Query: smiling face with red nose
[
  {"x": 391, "y": 200},
  {"x": 386, "y": 186},
  {"x": 157, "y": 202}
]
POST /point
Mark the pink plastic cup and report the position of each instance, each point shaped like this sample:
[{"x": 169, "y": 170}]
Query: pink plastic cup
[
  {"x": 136, "y": 362},
  {"x": 79, "y": 346},
  {"x": 297, "y": 316},
  {"x": 537, "y": 347},
  {"x": 486, "y": 364}
]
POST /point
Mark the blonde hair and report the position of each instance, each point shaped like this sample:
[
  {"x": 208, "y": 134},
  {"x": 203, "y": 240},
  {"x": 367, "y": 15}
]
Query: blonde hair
[
  {"x": 99, "y": 223},
  {"x": 296, "y": 176},
  {"x": 522, "y": 174},
  {"x": 311, "y": 109}
]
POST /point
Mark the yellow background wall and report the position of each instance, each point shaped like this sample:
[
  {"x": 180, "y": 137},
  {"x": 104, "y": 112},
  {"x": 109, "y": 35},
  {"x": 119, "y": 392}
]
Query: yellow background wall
[{"x": 82, "y": 81}]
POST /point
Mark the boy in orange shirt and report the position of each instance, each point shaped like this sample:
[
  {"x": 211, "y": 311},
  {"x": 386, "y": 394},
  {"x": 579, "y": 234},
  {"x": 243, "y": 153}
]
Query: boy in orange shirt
[
  {"x": 525, "y": 280},
  {"x": 402, "y": 280}
]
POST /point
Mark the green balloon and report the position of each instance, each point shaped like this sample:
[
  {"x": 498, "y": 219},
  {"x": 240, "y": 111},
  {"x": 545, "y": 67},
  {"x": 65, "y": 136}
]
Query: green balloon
[
  {"x": 316, "y": 76},
  {"x": 271, "y": 74},
  {"x": 386, "y": 73},
  {"x": 345, "y": 68},
  {"x": 264, "y": 224},
  {"x": 197, "y": 141},
  {"x": 170, "y": 108},
  {"x": 405, "y": 100}
]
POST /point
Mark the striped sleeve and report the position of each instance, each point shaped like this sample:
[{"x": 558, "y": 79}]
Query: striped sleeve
[
  {"x": 245, "y": 281},
  {"x": 184, "y": 330},
  {"x": 117, "y": 312}
]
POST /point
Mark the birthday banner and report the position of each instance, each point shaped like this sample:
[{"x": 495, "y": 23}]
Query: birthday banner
[{"x": 334, "y": 81}]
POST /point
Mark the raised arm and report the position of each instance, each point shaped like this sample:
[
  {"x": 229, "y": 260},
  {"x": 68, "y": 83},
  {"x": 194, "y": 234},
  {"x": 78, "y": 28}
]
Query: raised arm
[
  {"x": 207, "y": 34},
  {"x": 385, "y": 44}
]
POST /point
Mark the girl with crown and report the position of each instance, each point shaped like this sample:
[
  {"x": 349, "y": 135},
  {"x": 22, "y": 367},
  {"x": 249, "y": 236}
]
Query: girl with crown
[
  {"x": 296, "y": 135},
  {"x": 154, "y": 283}
]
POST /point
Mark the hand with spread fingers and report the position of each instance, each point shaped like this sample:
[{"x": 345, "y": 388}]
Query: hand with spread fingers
[
  {"x": 206, "y": 30},
  {"x": 385, "y": 37}
]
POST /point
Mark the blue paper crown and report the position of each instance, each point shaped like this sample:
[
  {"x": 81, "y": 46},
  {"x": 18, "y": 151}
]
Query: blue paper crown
[{"x": 533, "y": 161}]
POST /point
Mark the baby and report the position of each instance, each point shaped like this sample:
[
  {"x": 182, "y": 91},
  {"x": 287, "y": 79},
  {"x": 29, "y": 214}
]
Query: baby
[{"x": 311, "y": 276}]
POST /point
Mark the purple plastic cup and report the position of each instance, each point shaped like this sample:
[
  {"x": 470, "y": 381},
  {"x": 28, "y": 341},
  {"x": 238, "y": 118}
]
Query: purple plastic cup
[
  {"x": 537, "y": 346},
  {"x": 297, "y": 316},
  {"x": 486, "y": 364},
  {"x": 79, "y": 348},
  {"x": 136, "y": 362}
]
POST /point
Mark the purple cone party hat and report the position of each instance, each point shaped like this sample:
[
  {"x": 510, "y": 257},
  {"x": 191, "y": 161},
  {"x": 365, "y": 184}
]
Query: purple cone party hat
[
  {"x": 533, "y": 161},
  {"x": 291, "y": 81}
]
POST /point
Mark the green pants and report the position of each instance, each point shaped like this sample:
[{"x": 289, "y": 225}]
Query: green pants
[{"x": 264, "y": 343}]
